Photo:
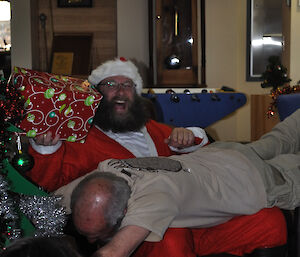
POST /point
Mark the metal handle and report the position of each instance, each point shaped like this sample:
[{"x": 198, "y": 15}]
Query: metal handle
[{"x": 176, "y": 23}]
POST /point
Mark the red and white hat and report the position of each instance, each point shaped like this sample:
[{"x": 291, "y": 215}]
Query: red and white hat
[{"x": 117, "y": 67}]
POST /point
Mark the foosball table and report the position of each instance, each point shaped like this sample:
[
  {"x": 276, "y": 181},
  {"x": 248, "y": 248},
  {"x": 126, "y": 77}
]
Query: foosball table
[{"x": 201, "y": 107}]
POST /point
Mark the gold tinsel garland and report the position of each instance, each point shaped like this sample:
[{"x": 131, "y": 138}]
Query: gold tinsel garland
[{"x": 280, "y": 91}]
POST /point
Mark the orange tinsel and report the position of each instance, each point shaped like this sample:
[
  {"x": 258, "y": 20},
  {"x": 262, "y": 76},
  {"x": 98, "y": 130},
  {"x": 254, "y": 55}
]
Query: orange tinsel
[{"x": 280, "y": 91}]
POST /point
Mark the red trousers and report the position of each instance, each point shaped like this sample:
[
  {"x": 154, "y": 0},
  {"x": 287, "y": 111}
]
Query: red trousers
[{"x": 239, "y": 236}]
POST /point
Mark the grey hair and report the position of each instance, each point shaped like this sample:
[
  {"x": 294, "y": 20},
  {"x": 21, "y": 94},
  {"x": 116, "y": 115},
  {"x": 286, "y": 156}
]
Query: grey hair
[
  {"x": 120, "y": 193},
  {"x": 40, "y": 246}
]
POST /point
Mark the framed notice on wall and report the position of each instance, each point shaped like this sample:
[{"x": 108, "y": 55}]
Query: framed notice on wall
[
  {"x": 62, "y": 63},
  {"x": 64, "y": 45},
  {"x": 74, "y": 3}
]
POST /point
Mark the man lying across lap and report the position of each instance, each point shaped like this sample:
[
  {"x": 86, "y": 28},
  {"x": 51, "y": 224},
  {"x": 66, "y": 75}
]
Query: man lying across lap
[{"x": 126, "y": 202}]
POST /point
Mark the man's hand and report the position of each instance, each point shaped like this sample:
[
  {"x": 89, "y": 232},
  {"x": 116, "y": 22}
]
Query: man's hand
[
  {"x": 47, "y": 139},
  {"x": 124, "y": 242},
  {"x": 180, "y": 138}
]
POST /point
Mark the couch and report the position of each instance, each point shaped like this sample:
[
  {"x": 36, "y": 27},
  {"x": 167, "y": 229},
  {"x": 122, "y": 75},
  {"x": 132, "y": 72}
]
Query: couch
[{"x": 286, "y": 105}]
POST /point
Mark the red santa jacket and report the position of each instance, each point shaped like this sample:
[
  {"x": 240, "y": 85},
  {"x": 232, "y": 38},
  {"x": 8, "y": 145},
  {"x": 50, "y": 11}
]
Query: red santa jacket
[{"x": 73, "y": 160}]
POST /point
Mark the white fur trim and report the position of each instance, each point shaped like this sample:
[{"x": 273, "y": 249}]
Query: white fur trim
[
  {"x": 117, "y": 67},
  {"x": 43, "y": 149}
]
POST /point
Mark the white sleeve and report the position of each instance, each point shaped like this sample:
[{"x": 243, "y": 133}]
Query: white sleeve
[
  {"x": 43, "y": 149},
  {"x": 198, "y": 132}
]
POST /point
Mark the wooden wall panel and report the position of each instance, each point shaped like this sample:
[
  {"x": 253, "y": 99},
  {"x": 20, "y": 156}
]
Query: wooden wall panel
[
  {"x": 101, "y": 20},
  {"x": 260, "y": 122}
]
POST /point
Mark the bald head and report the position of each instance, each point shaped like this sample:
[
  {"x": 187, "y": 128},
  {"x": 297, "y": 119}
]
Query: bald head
[
  {"x": 99, "y": 204},
  {"x": 92, "y": 195}
]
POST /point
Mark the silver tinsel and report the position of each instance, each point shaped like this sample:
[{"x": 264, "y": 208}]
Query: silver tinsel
[
  {"x": 48, "y": 217},
  {"x": 8, "y": 211}
]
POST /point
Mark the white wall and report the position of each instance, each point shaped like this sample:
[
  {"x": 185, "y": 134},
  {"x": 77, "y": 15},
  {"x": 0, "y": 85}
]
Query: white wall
[
  {"x": 132, "y": 33},
  {"x": 226, "y": 63},
  {"x": 21, "y": 50},
  {"x": 295, "y": 43}
]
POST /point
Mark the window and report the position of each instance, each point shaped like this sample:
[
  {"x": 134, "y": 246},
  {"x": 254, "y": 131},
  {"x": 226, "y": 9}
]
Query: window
[
  {"x": 264, "y": 35},
  {"x": 5, "y": 41}
]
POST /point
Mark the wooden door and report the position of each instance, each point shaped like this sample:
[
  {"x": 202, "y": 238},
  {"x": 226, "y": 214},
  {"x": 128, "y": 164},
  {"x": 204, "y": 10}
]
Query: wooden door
[{"x": 176, "y": 43}]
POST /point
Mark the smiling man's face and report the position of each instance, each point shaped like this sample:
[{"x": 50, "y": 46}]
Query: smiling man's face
[
  {"x": 119, "y": 92},
  {"x": 121, "y": 109}
]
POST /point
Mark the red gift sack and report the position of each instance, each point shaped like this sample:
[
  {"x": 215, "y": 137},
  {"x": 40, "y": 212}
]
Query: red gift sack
[{"x": 60, "y": 104}]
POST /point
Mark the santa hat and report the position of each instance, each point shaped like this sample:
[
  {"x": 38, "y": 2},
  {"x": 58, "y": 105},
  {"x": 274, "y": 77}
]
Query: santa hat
[{"x": 118, "y": 67}]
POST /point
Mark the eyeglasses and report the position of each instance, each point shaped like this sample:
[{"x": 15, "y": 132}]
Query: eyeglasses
[{"x": 113, "y": 85}]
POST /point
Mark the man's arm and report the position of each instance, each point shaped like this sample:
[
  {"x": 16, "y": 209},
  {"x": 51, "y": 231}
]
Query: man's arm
[
  {"x": 55, "y": 168},
  {"x": 124, "y": 242},
  {"x": 178, "y": 140},
  {"x": 187, "y": 139}
]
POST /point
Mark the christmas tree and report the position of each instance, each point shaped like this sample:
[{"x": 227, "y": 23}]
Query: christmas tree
[
  {"x": 21, "y": 202},
  {"x": 275, "y": 75}
]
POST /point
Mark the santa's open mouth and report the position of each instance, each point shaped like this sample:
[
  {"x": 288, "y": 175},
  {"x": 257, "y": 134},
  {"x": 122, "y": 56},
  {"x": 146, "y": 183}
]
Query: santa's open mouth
[{"x": 120, "y": 105}]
